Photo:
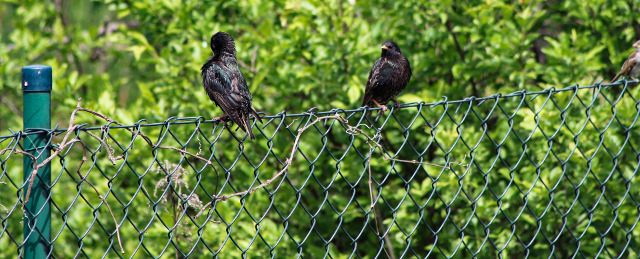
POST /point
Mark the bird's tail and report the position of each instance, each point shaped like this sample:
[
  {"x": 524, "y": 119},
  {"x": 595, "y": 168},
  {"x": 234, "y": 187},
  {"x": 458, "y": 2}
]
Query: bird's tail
[
  {"x": 247, "y": 125},
  {"x": 241, "y": 118},
  {"x": 247, "y": 122},
  {"x": 615, "y": 77},
  {"x": 255, "y": 114}
]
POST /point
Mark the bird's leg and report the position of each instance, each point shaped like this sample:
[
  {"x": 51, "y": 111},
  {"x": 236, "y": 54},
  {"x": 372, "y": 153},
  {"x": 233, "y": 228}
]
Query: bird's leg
[
  {"x": 384, "y": 108},
  {"x": 220, "y": 118},
  {"x": 397, "y": 104}
]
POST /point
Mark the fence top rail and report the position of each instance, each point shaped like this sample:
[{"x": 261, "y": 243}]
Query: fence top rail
[{"x": 314, "y": 111}]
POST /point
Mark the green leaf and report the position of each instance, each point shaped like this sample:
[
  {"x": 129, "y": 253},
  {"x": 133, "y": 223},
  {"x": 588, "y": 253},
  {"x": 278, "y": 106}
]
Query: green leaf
[{"x": 137, "y": 51}]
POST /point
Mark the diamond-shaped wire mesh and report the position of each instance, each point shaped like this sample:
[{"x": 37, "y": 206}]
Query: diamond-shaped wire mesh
[{"x": 542, "y": 174}]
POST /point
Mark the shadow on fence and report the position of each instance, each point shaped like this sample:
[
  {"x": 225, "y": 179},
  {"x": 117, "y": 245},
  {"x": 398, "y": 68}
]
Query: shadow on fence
[{"x": 543, "y": 174}]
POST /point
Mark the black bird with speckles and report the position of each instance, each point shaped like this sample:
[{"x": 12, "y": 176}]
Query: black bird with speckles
[
  {"x": 224, "y": 83},
  {"x": 388, "y": 77}
]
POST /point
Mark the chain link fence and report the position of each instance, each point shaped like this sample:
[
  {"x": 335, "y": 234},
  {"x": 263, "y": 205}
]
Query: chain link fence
[{"x": 540, "y": 174}]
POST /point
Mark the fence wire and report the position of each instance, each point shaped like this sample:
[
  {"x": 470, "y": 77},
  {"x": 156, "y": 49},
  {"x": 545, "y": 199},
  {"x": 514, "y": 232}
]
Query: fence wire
[{"x": 539, "y": 174}]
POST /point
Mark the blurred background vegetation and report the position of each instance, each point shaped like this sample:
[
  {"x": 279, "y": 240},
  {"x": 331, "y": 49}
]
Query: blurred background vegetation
[
  {"x": 134, "y": 60},
  {"x": 142, "y": 59}
]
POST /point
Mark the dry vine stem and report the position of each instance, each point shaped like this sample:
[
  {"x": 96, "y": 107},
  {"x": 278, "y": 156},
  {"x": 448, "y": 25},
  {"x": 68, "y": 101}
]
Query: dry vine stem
[
  {"x": 353, "y": 130},
  {"x": 5, "y": 208},
  {"x": 62, "y": 146},
  {"x": 287, "y": 162},
  {"x": 350, "y": 129}
]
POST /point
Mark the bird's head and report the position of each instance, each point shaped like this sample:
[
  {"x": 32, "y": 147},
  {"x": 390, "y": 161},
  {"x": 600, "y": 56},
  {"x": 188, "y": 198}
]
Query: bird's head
[
  {"x": 222, "y": 42},
  {"x": 636, "y": 44},
  {"x": 390, "y": 46}
]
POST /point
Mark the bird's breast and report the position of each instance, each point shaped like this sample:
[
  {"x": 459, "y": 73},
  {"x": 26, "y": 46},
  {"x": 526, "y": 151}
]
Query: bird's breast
[{"x": 635, "y": 70}]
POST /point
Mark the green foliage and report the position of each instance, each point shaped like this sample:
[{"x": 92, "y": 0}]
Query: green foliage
[
  {"x": 134, "y": 60},
  {"x": 142, "y": 59}
]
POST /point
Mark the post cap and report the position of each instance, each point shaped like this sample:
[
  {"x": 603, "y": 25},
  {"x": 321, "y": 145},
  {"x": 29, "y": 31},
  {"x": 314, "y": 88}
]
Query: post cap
[{"x": 36, "y": 78}]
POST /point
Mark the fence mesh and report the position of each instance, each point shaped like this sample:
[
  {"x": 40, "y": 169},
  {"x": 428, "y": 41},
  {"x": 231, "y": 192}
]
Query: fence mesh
[{"x": 548, "y": 173}]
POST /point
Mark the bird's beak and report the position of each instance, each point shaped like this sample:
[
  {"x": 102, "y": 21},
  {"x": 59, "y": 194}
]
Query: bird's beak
[{"x": 385, "y": 47}]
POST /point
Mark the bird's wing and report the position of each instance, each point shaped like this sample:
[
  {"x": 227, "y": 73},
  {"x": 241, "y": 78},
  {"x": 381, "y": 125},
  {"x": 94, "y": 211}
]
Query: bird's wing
[
  {"x": 216, "y": 81},
  {"x": 244, "y": 90},
  {"x": 376, "y": 77},
  {"x": 226, "y": 90},
  {"x": 627, "y": 66}
]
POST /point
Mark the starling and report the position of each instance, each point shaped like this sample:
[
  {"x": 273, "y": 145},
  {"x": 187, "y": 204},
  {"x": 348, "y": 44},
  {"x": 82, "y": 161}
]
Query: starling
[
  {"x": 631, "y": 66},
  {"x": 388, "y": 77},
  {"x": 224, "y": 83}
]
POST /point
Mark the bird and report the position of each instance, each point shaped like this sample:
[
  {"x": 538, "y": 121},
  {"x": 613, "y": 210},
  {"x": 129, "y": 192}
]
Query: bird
[
  {"x": 225, "y": 85},
  {"x": 388, "y": 77},
  {"x": 631, "y": 66}
]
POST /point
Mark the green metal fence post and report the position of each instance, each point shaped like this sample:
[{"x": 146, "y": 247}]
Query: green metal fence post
[{"x": 36, "y": 90}]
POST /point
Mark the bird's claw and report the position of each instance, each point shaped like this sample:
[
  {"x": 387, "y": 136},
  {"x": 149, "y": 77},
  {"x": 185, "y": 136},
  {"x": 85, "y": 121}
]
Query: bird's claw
[
  {"x": 224, "y": 118},
  {"x": 384, "y": 109},
  {"x": 397, "y": 104}
]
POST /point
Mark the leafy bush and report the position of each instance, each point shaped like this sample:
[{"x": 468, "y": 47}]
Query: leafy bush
[{"x": 135, "y": 60}]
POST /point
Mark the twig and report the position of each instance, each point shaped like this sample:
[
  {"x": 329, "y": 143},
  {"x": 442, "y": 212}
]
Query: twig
[
  {"x": 253, "y": 58},
  {"x": 199, "y": 144},
  {"x": 37, "y": 167},
  {"x": 350, "y": 129},
  {"x": 376, "y": 214},
  {"x": 251, "y": 68},
  {"x": 5, "y": 208},
  {"x": 357, "y": 131},
  {"x": 460, "y": 50},
  {"x": 209, "y": 162},
  {"x": 110, "y": 151},
  {"x": 110, "y": 120},
  {"x": 84, "y": 159},
  {"x": 287, "y": 162},
  {"x": 66, "y": 142},
  {"x": 292, "y": 122},
  {"x": 10, "y": 104},
  {"x": 62, "y": 146}
]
